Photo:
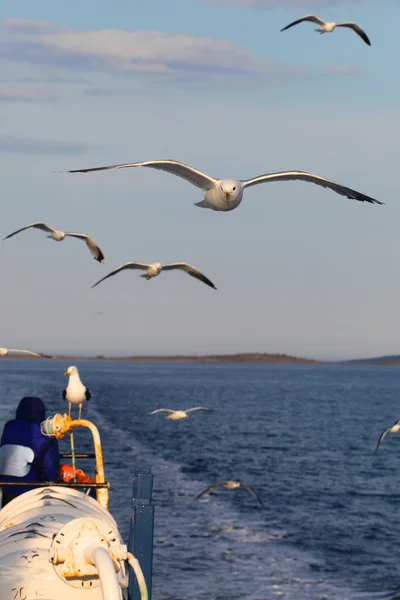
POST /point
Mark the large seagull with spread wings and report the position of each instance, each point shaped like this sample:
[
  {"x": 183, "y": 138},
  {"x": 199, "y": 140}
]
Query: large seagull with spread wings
[
  {"x": 227, "y": 194},
  {"x": 328, "y": 27}
]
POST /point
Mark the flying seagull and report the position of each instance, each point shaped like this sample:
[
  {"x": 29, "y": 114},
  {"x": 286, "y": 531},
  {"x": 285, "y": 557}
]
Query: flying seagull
[
  {"x": 58, "y": 236},
  {"x": 393, "y": 429},
  {"x": 5, "y": 351},
  {"x": 75, "y": 392},
  {"x": 154, "y": 269},
  {"x": 176, "y": 415},
  {"x": 326, "y": 27},
  {"x": 231, "y": 485},
  {"x": 227, "y": 194}
]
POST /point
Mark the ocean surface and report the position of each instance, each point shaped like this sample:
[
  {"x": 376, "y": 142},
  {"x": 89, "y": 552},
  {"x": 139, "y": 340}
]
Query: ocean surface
[{"x": 303, "y": 436}]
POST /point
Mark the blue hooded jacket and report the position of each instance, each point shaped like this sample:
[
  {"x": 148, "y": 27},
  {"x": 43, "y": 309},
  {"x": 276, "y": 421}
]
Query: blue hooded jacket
[{"x": 24, "y": 432}]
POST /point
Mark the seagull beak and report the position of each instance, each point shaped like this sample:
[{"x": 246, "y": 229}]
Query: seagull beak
[{"x": 66, "y": 373}]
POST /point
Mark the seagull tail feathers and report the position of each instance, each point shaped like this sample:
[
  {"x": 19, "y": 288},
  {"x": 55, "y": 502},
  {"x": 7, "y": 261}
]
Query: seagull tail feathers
[{"x": 202, "y": 204}]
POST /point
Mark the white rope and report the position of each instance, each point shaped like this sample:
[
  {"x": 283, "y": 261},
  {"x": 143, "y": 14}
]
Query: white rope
[
  {"x": 73, "y": 455},
  {"x": 134, "y": 563}
]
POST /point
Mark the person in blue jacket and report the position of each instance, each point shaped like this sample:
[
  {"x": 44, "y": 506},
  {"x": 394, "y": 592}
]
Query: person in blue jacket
[{"x": 25, "y": 453}]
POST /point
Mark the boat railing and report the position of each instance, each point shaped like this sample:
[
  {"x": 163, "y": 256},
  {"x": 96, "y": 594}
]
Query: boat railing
[{"x": 58, "y": 426}]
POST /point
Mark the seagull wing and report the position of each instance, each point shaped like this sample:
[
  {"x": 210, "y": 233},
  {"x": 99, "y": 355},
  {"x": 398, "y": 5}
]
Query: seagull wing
[
  {"x": 312, "y": 18},
  {"x": 198, "y": 408},
  {"x": 317, "y": 179},
  {"x": 393, "y": 429},
  {"x": 21, "y": 351},
  {"x": 174, "y": 167},
  {"x": 190, "y": 271},
  {"x": 210, "y": 487},
  {"x": 357, "y": 29},
  {"x": 252, "y": 490},
  {"x": 91, "y": 244},
  {"x": 128, "y": 265},
  {"x": 40, "y": 225},
  {"x": 153, "y": 412},
  {"x": 381, "y": 438}
]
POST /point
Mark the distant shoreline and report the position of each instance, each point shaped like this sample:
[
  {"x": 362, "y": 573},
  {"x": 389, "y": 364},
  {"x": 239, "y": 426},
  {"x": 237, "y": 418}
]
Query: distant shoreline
[
  {"x": 252, "y": 358},
  {"x": 244, "y": 358}
]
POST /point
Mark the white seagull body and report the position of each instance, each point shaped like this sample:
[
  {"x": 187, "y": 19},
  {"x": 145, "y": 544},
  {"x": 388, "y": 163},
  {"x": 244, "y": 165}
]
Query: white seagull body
[
  {"x": 231, "y": 485},
  {"x": 5, "y": 351},
  {"x": 75, "y": 392},
  {"x": 227, "y": 194},
  {"x": 58, "y": 236},
  {"x": 327, "y": 27},
  {"x": 176, "y": 415},
  {"x": 393, "y": 429},
  {"x": 154, "y": 269}
]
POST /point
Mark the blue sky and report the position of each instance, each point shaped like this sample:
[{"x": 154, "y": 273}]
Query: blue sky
[{"x": 298, "y": 268}]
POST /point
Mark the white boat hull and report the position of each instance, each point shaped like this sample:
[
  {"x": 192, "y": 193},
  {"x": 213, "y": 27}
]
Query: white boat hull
[{"x": 33, "y": 527}]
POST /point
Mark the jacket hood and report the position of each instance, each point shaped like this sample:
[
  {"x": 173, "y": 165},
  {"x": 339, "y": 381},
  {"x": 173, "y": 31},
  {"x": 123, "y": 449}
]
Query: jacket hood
[{"x": 31, "y": 409}]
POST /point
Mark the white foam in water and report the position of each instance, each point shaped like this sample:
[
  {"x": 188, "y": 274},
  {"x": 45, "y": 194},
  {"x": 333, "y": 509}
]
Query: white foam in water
[
  {"x": 204, "y": 549},
  {"x": 207, "y": 548}
]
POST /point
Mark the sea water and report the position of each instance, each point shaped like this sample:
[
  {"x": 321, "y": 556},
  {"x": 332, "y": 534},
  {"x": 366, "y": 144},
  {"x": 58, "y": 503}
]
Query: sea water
[{"x": 303, "y": 436}]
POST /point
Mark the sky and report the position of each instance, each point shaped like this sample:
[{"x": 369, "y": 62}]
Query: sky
[{"x": 215, "y": 84}]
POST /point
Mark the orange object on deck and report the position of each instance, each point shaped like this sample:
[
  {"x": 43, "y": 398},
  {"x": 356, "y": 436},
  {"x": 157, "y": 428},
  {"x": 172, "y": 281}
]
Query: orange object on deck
[{"x": 66, "y": 474}]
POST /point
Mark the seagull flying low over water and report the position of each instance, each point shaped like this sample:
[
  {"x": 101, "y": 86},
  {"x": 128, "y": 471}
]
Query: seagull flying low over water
[
  {"x": 231, "y": 485},
  {"x": 5, "y": 351},
  {"x": 154, "y": 269},
  {"x": 75, "y": 392},
  {"x": 393, "y": 429},
  {"x": 326, "y": 27},
  {"x": 227, "y": 194},
  {"x": 176, "y": 415},
  {"x": 58, "y": 236}
]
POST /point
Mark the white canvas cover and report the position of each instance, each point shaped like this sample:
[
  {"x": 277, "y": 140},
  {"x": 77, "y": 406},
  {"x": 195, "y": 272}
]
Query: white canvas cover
[{"x": 15, "y": 460}]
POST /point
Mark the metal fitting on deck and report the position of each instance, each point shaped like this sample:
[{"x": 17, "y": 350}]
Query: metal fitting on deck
[
  {"x": 59, "y": 425},
  {"x": 77, "y": 555}
]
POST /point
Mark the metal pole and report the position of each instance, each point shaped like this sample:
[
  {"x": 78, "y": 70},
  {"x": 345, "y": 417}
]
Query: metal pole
[{"x": 141, "y": 530}]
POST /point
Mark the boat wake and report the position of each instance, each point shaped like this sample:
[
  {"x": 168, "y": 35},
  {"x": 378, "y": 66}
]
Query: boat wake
[{"x": 210, "y": 546}]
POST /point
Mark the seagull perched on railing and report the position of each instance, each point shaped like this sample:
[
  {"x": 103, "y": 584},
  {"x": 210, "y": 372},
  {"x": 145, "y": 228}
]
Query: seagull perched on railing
[
  {"x": 326, "y": 27},
  {"x": 154, "y": 269},
  {"x": 393, "y": 429},
  {"x": 176, "y": 415},
  {"x": 5, "y": 351},
  {"x": 227, "y": 194},
  {"x": 75, "y": 392},
  {"x": 58, "y": 236},
  {"x": 231, "y": 485}
]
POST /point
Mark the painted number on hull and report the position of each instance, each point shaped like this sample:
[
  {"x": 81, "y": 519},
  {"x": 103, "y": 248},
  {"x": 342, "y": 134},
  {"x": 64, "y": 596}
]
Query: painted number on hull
[
  {"x": 22, "y": 594},
  {"x": 19, "y": 593}
]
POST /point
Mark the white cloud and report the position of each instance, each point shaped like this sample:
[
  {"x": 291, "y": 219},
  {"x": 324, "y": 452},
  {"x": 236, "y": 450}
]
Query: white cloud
[
  {"x": 24, "y": 94},
  {"x": 279, "y": 3},
  {"x": 28, "y": 26},
  {"x": 152, "y": 51},
  {"x": 116, "y": 51},
  {"x": 99, "y": 91},
  {"x": 10, "y": 143},
  {"x": 342, "y": 70}
]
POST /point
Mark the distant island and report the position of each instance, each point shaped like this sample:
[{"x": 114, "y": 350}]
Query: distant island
[
  {"x": 249, "y": 358},
  {"x": 389, "y": 360},
  {"x": 262, "y": 358}
]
